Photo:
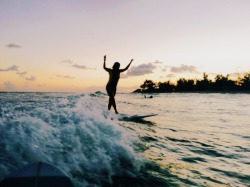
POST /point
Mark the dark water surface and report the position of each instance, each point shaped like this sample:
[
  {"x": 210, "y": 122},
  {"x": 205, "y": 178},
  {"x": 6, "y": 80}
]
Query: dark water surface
[{"x": 195, "y": 140}]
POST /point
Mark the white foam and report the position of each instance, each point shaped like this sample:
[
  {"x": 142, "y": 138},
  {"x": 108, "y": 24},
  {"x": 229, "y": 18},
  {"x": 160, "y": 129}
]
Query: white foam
[{"x": 74, "y": 132}]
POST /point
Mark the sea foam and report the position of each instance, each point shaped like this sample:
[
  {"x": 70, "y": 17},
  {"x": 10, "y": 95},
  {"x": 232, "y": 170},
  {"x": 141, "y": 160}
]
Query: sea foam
[{"x": 74, "y": 132}]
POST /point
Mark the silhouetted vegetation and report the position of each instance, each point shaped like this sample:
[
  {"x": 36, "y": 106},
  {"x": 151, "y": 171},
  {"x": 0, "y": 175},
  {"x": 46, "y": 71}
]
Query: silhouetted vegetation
[{"x": 221, "y": 83}]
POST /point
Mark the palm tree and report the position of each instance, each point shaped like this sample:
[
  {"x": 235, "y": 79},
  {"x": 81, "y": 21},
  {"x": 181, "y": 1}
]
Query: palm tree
[
  {"x": 246, "y": 82},
  {"x": 148, "y": 86}
]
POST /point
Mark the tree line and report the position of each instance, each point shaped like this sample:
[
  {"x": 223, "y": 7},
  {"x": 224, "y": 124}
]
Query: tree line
[{"x": 221, "y": 83}]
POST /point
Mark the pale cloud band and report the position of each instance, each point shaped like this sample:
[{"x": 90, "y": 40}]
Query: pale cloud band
[
  {"x": 13, "y": 45},
  {"x": 145, "y": 69},
  {"x": 66, "y": 62},
  {"x": 12, "y": 68},
  {"x": 184, "y": 69},
  {"x": 65, "y": 77},
  {"x": 170, "y": 75},
  {"x": 79, "y": 66},
  {"x": 142, "y": 69},
  {"x": 31, "y": 78},
  {"x": 21, "y": 74},
  {"x": 76, "y": 65}
]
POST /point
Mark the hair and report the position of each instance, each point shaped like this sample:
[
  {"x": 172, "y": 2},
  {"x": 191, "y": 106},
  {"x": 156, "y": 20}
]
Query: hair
[{"x": 116, "y": 65}]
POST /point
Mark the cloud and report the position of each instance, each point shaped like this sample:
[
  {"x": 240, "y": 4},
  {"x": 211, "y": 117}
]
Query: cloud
[
  {"x": 21, "y": 74},
  {"x": 183, "y": 69},
  {"x": 65, "y": 77},
  {"x": 157, "y": 62},
  {"x": 123, "y": 75},
  {"x": 82, "y": 67},
  {"x": 163, "y": 69},
  {"x": 12, "y": 68},
  {"x": 171, "y": 75},
  {"x": 76, "y": 65},
  {"x": 142, "y": 69},
  {"x": 66, "y": 62},
  {"x": 12, "y": 45},
  {"x": 31, "y": 78},
  {"x": 79, "y": 66}
]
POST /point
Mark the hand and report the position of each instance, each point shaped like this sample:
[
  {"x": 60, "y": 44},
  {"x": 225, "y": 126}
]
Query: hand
[
  {"x": 104, "y": 57},
  {"x": 131, "y": 61}
]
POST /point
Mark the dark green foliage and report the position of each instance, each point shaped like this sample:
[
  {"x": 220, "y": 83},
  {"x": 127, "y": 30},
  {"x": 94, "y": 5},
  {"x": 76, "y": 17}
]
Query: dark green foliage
[
  {"x": 185, "y": 85},
  {"x": 166, "y": 86},
  {"x": 220, "y": 84},
  {"x": 149, "y": 85},
  {"x": 246, "y": 82}
]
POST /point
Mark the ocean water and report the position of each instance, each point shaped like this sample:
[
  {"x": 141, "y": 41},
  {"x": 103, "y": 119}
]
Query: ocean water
[{"x": 195, "y": 140}]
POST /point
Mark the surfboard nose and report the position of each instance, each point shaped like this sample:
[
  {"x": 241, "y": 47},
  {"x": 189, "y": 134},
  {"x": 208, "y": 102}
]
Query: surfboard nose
[{"x": 39, "y": 174}]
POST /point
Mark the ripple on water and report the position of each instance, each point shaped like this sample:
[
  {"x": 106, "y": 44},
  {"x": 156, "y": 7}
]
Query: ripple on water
[
  {"x": 194, "y": 159},
  {"x": 148, "y": 139},
  {"x": 244, "y": 178}
]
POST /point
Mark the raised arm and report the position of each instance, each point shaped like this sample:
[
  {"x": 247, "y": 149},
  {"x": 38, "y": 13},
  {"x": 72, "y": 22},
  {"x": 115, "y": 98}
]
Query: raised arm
[
  {"x": 125, "y": 69},
  {"x": 104, "y": 64}
]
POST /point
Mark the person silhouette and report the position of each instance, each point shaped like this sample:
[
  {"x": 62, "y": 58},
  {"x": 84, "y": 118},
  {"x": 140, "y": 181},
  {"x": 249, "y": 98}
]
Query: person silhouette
[{"x": 114, "y": 76}]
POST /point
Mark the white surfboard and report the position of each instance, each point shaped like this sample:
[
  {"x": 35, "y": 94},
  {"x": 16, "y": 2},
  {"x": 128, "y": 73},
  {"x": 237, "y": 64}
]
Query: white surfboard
[
  {"x": 137, "y": 117},
  {"x": 38, "y": 174}
]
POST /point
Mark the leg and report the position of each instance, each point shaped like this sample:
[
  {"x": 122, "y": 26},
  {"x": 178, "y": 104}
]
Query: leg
[
  {"x": 114, "y": 104},
  {"x": 109, "y": 105},
  {"x": 110, "y": 95},
  {"x": 111, "y": 92}
]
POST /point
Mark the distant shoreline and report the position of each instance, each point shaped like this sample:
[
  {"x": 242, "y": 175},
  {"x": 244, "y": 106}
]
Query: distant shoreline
[
  {"x": 201, "y": 92},
  {"x": 146, "y": 92},
  {"x": 221, "y": 84}
]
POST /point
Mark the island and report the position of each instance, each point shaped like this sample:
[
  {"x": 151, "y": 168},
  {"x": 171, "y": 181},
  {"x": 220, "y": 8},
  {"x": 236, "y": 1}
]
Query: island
[{"x": 221, "y": 83}]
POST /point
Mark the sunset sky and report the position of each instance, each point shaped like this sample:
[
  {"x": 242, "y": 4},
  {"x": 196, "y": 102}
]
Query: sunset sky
[{"x": 58, "y": 45}]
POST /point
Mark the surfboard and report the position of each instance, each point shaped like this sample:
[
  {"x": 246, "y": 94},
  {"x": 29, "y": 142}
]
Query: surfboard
[
  {"x": 39, "y": 174},
  {"x": 137, "y": 117}
]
